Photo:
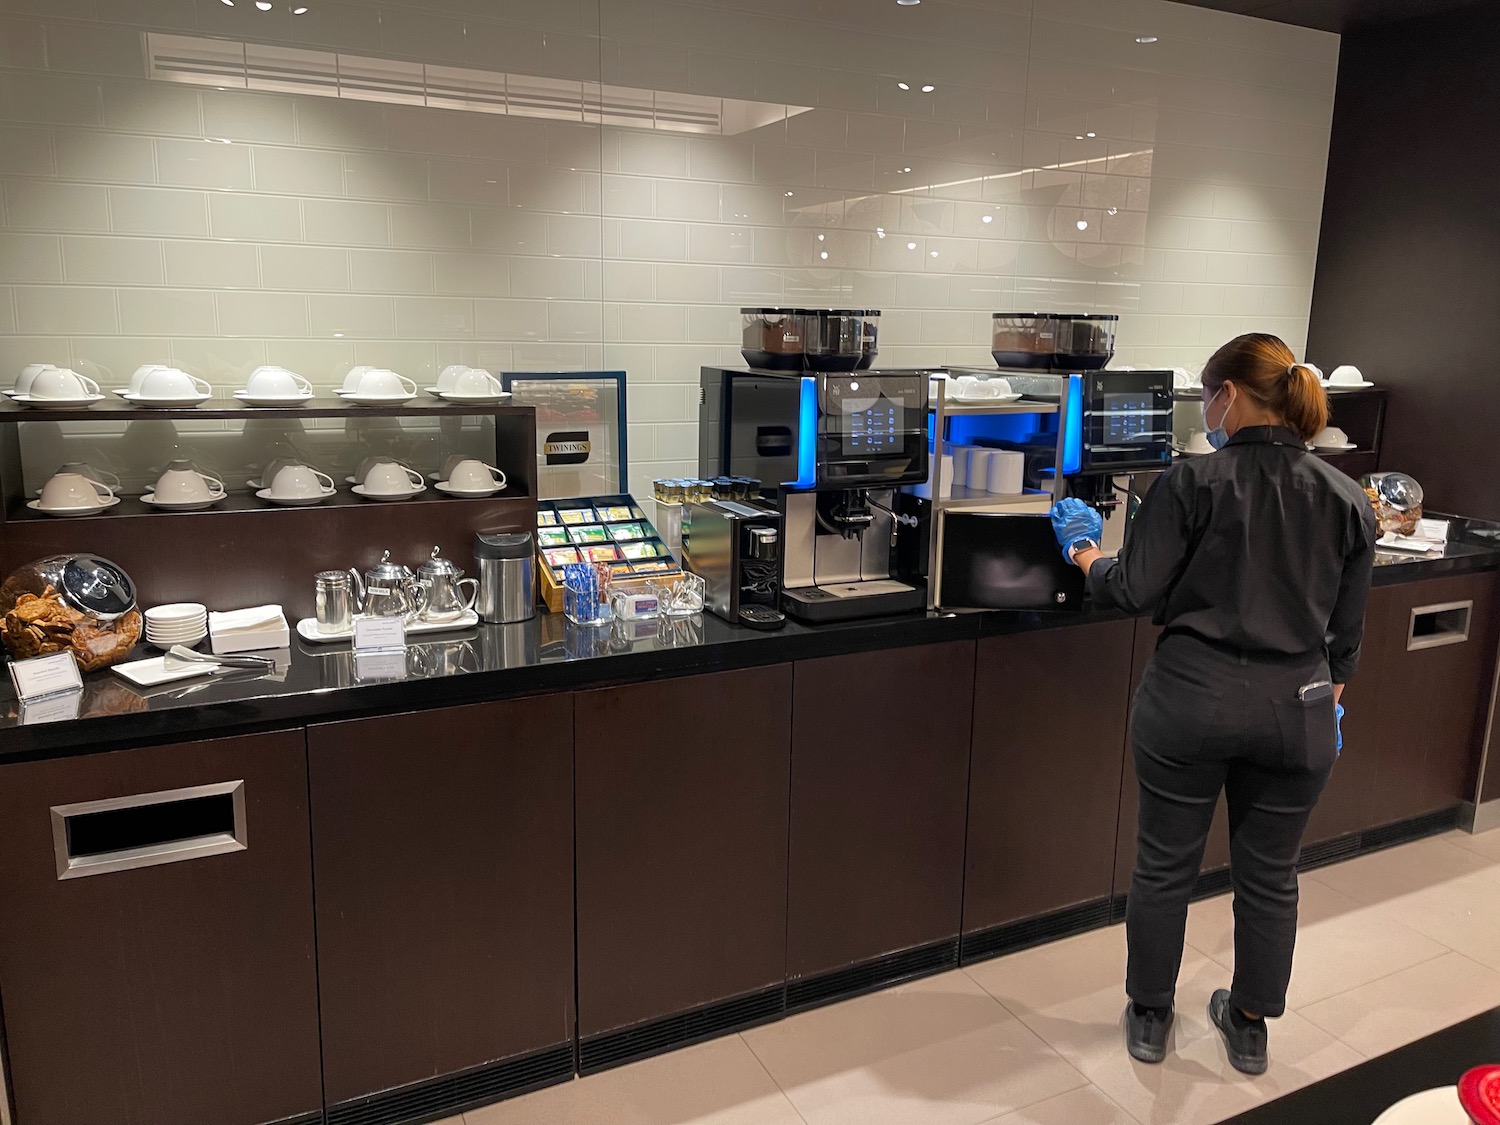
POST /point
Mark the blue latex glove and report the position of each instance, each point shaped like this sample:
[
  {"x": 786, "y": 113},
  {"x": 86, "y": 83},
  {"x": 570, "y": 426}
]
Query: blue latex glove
[
  {"x": 1338, "y": 719},
  {"x": 1073, "y": 520}
]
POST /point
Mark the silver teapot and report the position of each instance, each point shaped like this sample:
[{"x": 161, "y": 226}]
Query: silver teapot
[
  {"x": 444, "y": 584},
  {"x": 388, "y": 589}
]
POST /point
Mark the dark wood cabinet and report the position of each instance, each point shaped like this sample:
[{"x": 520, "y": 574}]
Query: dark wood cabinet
[
  {"x": 682, "y": 790},
  {"x": 443, "y": 848},
  {"x": 1044, "y": 783},
  {"x": 176, "y": 992},
  {"x": 880, "y": 764}
]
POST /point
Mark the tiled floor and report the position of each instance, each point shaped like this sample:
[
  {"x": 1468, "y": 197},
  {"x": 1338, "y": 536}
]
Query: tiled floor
[{"x": 1392, "y": 946}]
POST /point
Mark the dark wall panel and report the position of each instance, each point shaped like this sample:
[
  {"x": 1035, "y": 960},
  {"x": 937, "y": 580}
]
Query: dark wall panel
[{"x": 1408, "y": 276}]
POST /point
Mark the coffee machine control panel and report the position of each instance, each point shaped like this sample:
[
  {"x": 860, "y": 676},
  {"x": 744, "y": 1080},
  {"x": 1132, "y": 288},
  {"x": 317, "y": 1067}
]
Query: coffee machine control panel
[{"x": 872, "y": 428}]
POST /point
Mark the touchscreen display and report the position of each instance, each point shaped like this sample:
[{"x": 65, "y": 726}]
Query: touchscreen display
[
  {"x": 872, "y": 428},
  {"x": 1129, "y": 417}
]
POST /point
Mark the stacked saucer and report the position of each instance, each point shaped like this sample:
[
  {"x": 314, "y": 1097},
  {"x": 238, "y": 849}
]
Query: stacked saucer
[{"x": 178, "y": 623}]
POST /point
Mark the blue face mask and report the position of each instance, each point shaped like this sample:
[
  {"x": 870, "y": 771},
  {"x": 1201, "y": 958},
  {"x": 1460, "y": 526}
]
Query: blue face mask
[{"x": 1218, "y": 436}]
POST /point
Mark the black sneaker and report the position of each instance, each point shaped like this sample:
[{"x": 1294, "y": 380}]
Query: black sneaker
[
  {"x": 1146, "y": 1031},
  {"x": 1244, "y": 1039}
]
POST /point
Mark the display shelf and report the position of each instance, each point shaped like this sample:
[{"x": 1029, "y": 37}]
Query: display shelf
[
  {"x": 236, "y": 503},
  {"x": 964, "y": 497},
  {"x": 1022, "y": 406},
  {"x": 115, "y": 409}
]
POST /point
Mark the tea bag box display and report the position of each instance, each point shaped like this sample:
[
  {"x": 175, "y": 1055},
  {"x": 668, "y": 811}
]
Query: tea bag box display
[{"x": 611, "y": 530}]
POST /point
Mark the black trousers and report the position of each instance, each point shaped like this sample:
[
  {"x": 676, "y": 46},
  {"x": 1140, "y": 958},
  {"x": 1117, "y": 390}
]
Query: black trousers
[{"x": 1207, "y": 721}]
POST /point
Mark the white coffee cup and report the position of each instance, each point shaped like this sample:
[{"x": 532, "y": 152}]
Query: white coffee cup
[
  {"x": 277, "y": 382},
  {"x": 1198, "y": 442},
  {"x": 102, "y": 480},
  {"x": 979, "y": 468},
  {"x": 474, "y": 381},
  {"x": 449, "y": 374},
  {"x": 1007, "y": 472},
  {"x": 1346, "y": 376},
  {"x": 960, "y": 465},
  {"x": 364, "y": 467},
  {"x": 1331, "y": 436},
  {"x": 183, "y": 484},
  {"x": 62, "y": 384},
  {"x": 352, "y": 379},
  {"x": 472, "y": 475},
  {"x": 169, "y": 382},
  {"x": 140, "y": 375},
  {"x": 274, "y": 466},
  {"x": 381, "y": 382},
  {"x": 391, "y": 478},
  {"x": 296, "y": 481},
  {"x": 28, "y": 376},
  {"x": 74, "y": 491}
]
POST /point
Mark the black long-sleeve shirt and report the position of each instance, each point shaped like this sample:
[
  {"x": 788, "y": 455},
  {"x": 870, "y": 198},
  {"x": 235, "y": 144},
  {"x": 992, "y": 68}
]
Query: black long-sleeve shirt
[{"x": 1260, "y": 547}]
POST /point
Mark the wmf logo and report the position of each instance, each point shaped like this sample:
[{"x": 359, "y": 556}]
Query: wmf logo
[{"x": 566, "y": 447}]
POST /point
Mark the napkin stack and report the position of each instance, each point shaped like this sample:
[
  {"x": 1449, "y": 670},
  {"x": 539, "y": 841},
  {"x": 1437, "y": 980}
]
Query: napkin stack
[{"x": 248, "y": 630}]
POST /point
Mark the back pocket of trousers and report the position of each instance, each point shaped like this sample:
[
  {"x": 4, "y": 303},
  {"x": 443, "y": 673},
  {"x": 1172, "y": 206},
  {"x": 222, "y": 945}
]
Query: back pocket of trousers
[{"x": 1309, "y": 733}]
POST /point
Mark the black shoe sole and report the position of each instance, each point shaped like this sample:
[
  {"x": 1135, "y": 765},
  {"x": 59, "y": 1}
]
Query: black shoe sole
[
  {"x": 1144, "y": 1052},
  {"x": 1246, "y": 1064}
]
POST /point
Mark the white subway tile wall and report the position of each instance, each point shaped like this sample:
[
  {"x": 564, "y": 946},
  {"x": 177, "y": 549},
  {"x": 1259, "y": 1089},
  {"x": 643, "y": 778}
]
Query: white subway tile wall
[{"x": 1055, "y": 161}]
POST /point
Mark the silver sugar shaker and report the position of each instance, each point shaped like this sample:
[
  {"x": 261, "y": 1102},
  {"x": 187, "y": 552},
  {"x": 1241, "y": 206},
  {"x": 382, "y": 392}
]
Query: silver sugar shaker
[{"x": 335, "y": 601}]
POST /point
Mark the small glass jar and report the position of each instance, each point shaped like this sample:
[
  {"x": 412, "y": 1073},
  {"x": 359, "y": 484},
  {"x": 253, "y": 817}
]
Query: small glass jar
[{"x": 586, "y": 593}]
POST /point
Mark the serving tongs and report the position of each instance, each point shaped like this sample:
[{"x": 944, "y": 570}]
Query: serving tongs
[{"x": 178, "y": 657}]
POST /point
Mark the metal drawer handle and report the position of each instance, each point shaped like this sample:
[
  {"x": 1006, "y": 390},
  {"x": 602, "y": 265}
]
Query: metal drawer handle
[
  {"x": 1433, "y": 626},
  {"x": 147, "y": 829}
]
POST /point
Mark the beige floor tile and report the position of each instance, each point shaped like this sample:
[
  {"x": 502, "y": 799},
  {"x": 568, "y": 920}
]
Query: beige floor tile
[
  {"x": 1340, "y": 943},
  {"x": 1084, "y": 1106},
  {"x": 1463, "y": 914},
  {"x": 717, "y": 1083},
  {"x": 1486, "y": 844},
  {"x": 938, "y": 1051},
  {"x": 1408, "y": 1005},
  {"x": 1394, "y": 872},
  {"x": 1072, "y": 994}
]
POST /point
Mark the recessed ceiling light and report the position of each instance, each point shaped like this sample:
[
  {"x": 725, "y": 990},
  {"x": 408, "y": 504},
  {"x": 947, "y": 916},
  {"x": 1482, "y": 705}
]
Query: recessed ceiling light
[
  {"x": 902, "y": 86},
  {"x": 824, "y": 255},
  {"x": 934, "y": 253},
  {"x": 1145, "y": 39},
  {"x": 1114, "y": 210},
  {"x": 906, "y": 169},
  {"x": 908, "y": 3},
  {"x": 911, "y": 245},
  {"x": 263, "y": 5},
  {"x": 987, "y": 219},
  {"x": 1091, "y": 134},
  {"x": 299, "y": 11},
  {"x": 928, "y": 89},
  {"x": 822, "y": 238},
  {"x": 1079, "y": 137},
  {"x": 788, "y": 195},
  {"x": 1083, "y": 224},
  {"x": 228, "y": 3},
  {"x": 880, "y": 232}
]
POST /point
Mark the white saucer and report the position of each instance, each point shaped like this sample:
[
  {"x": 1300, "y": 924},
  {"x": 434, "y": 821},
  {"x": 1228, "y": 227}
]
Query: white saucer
[
  {"x": 444, "y": 487},
  {"x": 1332, "y": 386},
  {"x": 477, "y": 400},
  {"x": 36, "y": 506},
  {"x": 983, "y": 400},
  {"x": 361, "y": 490},
  {"x": 374, "y": 400},
  {"x": 195, "y": 399},
  {"x": 287, "y": 502},
  {"x": 273, "y": 400},
  {"x": 1335, "y": 448},
  {"x": 58, "y": 403},
  {"x": 179, "y": 506}
]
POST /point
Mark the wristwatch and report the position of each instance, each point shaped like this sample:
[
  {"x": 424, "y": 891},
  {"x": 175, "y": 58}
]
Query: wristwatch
[{"x": 1080, "y": 546}]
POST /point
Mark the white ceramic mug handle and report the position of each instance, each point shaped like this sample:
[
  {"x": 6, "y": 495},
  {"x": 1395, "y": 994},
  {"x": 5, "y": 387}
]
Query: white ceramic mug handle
[
  {"x": 303, "y": 385},
  {"x": 473, "y": 585},
  {"x": 215, "y": 485},
  {"x": 499, "y": 475},
  {"x": 203, "y": 385},
  {"x": 408, "y": 384},
  {"x": 104, "y": 476},
  {"x": 412, "y": 474},
  {"x": 328, "y": 480},
  {"x": 109, "y": 493},
  {"x": 495, "y": 387},
  {"x": 88, "y": 384}
]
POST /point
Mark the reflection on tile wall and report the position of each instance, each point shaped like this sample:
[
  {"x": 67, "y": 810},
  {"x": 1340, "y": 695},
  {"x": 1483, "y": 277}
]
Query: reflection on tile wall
[{"x": 1056, "y": 162}]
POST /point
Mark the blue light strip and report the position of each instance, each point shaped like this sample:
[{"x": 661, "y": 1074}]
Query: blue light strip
[
  {"x": 807, "y": 434},
  {"x": 1073, "y": 437}
]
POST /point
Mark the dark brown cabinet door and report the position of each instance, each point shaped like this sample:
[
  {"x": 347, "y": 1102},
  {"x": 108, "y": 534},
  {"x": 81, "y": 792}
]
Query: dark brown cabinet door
[
  {"x": 1044, "y": 789},
  {"x": 176, "y": 993},
  {"x": 880, "y": 764},
  {"x": 443, "y": 847},
  {"x": 1432, "y": 700},
  {"x": 682, "y": 792}
]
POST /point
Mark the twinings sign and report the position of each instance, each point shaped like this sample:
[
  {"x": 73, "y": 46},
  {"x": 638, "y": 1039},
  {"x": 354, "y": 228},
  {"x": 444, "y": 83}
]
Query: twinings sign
[{"x": 566, "y": 447}]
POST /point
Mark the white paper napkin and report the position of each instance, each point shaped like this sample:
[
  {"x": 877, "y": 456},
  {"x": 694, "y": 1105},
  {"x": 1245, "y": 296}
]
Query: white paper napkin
[{"x": 250, "y": 620}]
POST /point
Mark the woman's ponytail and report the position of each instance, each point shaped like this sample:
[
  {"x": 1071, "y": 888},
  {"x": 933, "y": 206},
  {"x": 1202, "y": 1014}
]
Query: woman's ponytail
[
  {"x": 1306, "y": 409},
  {"x": 1265, "y": 370}
]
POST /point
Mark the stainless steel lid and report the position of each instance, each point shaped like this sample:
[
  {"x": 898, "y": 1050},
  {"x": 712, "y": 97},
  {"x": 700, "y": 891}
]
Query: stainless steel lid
[
  {"x": 436, "y": 567},
  {"x": 96, "y": 586},
  {"x": 386, "y": 570},
  {"x": 1399, "y": 491}
]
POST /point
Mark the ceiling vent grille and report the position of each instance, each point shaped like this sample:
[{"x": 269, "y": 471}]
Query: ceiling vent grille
[{"x": 226, "y": 64}]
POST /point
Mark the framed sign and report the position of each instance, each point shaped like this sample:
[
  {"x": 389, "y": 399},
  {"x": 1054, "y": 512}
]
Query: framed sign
[{"x": 580, "y": 430}]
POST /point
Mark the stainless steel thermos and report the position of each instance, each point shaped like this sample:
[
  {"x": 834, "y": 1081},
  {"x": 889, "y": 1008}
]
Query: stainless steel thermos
[{"x": 507, "y": 577}]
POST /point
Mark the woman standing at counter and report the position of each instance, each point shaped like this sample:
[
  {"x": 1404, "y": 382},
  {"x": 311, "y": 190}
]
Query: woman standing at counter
[{"x": 1257, "y": 561}]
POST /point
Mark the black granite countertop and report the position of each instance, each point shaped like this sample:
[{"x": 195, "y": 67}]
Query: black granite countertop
[{"x": 320, "y": 683}]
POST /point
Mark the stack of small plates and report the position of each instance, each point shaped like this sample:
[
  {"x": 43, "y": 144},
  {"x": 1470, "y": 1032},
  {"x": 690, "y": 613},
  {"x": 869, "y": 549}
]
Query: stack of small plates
[{"x": 179, "y": 623}]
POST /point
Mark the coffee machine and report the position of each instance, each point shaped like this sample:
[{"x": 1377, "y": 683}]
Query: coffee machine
[{"x": 833, "y": 449}]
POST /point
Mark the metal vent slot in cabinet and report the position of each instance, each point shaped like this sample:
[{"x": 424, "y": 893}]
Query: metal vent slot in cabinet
[
  {"x": 147, "y": 829},
  {"x": 1433, "y": 626}
]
